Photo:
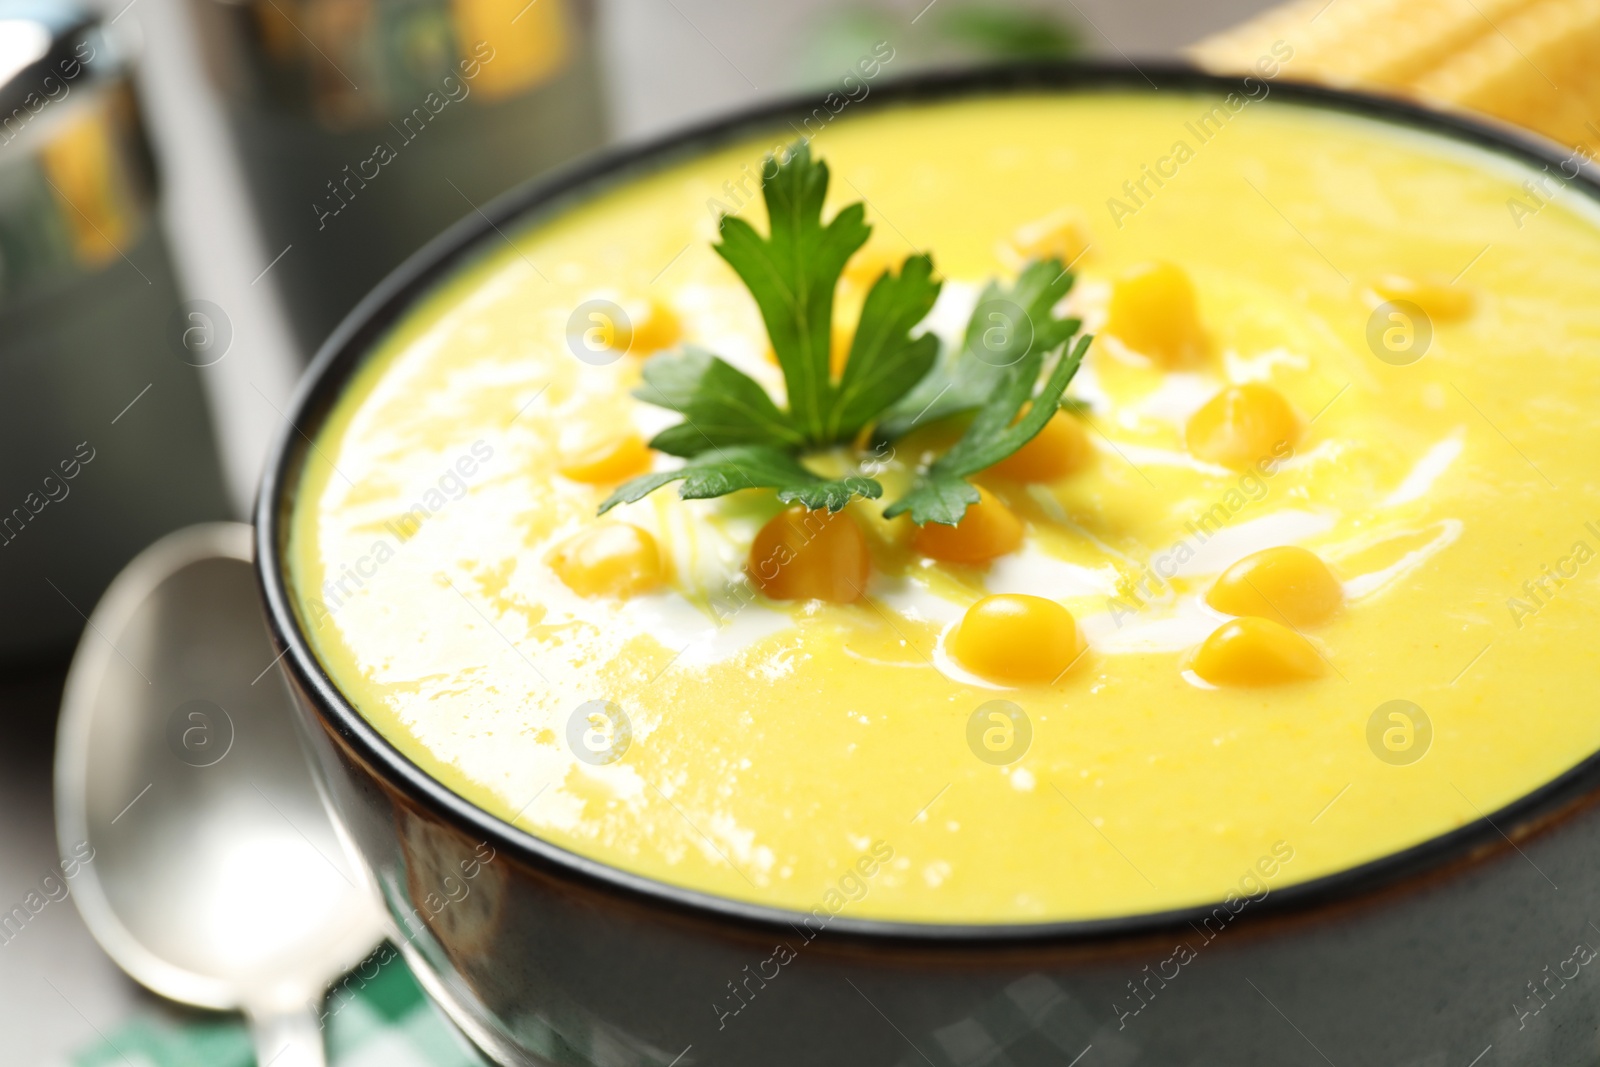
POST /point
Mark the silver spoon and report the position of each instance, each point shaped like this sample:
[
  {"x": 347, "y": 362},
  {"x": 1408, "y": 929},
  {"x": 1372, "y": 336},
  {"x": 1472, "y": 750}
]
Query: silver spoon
[{"x": 206, "y": 864}]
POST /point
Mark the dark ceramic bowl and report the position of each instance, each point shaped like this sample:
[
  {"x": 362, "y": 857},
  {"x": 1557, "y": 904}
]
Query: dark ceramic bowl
[{"x": 1460, "y": 951}]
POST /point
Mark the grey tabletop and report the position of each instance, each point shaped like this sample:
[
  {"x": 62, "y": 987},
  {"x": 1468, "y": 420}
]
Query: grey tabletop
[{"x": 56, "y": 986}]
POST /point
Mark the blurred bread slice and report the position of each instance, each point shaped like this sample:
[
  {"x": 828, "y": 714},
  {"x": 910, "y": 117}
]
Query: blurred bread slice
[{"x": 1530, "y": 62}]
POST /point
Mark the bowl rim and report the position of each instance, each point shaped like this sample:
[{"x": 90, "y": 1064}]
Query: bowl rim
[{"x": 346, "y": 348}]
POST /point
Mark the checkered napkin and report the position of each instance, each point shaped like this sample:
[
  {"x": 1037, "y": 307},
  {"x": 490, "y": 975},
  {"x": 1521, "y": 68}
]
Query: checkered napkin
[{"x": 388, "y": 1022}]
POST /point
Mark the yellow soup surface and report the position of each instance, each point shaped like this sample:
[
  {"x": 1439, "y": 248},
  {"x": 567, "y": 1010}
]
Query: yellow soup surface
[{"x": 657, "y": 713}]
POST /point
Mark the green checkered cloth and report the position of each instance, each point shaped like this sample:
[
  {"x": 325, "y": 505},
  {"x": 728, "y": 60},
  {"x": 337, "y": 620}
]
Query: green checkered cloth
[{"x": 387, "y": 1022}]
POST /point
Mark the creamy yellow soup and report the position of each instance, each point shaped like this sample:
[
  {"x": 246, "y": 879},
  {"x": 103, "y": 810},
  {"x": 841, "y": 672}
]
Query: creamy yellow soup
[{"x": 835, "y": 757}]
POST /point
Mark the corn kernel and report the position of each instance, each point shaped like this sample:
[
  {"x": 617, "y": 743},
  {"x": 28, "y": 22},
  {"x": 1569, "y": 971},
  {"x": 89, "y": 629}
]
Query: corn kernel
[
  {"x": 1060, "y": 449},
  {"x": 1014, "y": 639},
  {"x": 607, "y": 461},
  {"x": 1154, "y": 311},
  {"x": 1286, "y": 584},
  {"x": 1255, "y": 651},
  {"x": 612, "y": 559},
  {"x": 986, "y": 531},
  {"x": 1242, "y": 426},
  {"x": 839, "y": 347},
  {"x": 810, "y": 555},
  {"x": 653, "y": 326},
  {"x": 1062, "y": 235},
  {"x": 870, "y": 261},
  {"x": 1441, "y": 302}
]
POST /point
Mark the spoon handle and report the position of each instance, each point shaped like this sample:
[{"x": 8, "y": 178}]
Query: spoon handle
[{"x": 287, "y": 1037}]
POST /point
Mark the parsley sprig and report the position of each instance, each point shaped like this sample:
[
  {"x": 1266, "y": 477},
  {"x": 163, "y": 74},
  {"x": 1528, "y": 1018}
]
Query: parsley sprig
[{"x": 734, "y": 435}]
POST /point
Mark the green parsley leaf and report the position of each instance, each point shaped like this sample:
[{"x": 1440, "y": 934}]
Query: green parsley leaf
[
  {"x": 727, "y": 470},
  {"x": 1006, "y": 324},
  {"x": 936, "y": 496},
  {"x": 721, "y": 405},
  {"x": 885, "y": 361},
  {"x": 995, "y": 433},
  {"x": 792, "y": 275},
  {"x": 734, "y": 436}
]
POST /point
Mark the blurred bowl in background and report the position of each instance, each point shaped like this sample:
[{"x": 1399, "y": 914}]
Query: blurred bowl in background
[
  {"x": 367, "y": 126},
  {"x": 105, "y": 442}
]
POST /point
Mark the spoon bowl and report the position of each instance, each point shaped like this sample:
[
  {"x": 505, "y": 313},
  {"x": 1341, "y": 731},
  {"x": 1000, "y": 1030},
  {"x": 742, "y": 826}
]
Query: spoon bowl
[{"x": 213, "y": 873}]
